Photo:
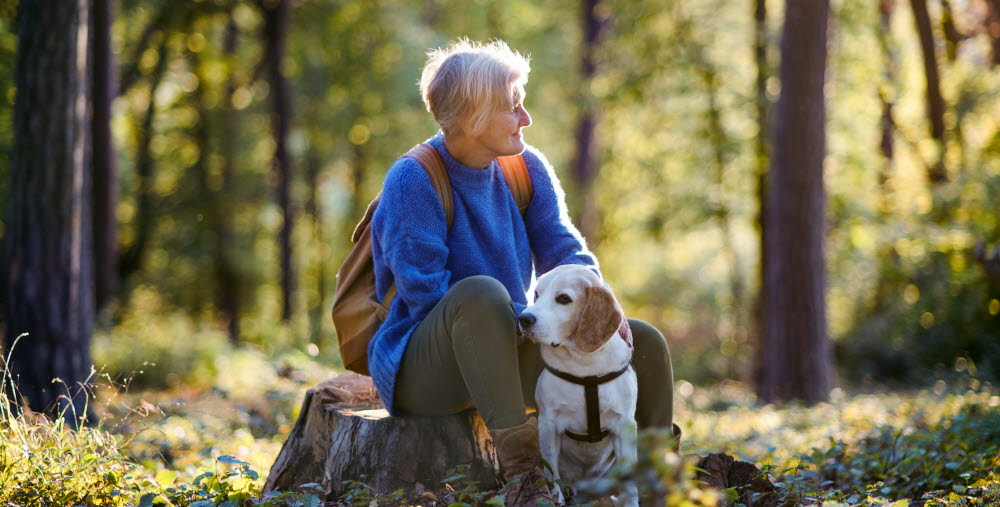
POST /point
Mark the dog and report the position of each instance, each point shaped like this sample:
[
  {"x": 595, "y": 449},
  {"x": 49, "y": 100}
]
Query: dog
[{"x": 584, "y": 339}]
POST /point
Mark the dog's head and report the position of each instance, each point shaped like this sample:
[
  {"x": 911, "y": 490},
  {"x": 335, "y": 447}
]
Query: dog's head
[{"x": 573, "y": 308}]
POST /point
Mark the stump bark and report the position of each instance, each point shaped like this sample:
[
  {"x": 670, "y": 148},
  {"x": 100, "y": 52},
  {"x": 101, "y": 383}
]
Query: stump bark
[
  {"x": 724, "y": 472},
  {"x": 343, "y": 434}
]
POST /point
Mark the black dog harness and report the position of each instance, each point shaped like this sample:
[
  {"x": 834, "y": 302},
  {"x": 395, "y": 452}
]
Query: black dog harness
[{"x": 594, "y": 431}]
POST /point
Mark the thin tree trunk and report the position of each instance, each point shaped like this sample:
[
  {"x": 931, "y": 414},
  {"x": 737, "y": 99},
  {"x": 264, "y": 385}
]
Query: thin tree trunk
[
  {"x": 312, "y": 209},
  {"x": 105, "y": 163},
  {"x": 133, "y": 258},
  {"x": 48, "y": 243},
  {"x": 992, "y": 23},
  {"x": 596, "y": 20},
  {"x": 935, "y": 102},
  {"x": 719, "y": 140},
  {"x": 796, "y": 356},
  {"x": 229, "y": 286},
  {"x": 889, "y": 65},
  {"x": 762, "y": 106},
  {"x": 951, "y": 35},
  {"x": 358, "y": 164},
  {"x": 276, "y": 17}
]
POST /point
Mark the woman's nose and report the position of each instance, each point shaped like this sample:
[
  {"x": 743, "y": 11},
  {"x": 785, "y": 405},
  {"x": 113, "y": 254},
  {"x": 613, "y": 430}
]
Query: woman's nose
[{"x": 525, "y": 119}]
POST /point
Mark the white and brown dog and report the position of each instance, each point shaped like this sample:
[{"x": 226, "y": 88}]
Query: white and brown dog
[{"x": 587, "y": 393}]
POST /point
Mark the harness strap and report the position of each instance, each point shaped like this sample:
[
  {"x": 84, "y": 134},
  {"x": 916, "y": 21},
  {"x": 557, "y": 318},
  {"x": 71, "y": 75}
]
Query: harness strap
[{"x": 594, "y": 431}]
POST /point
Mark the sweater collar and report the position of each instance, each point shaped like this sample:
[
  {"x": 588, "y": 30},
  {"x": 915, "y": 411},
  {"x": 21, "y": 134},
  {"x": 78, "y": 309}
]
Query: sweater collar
[{"x": 459, "y": 173}]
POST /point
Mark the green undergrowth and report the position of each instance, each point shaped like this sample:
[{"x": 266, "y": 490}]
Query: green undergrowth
[{"x": 212, "y": 442}]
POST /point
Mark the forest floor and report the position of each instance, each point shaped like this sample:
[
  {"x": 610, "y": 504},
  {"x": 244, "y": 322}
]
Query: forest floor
[{"x": 215, "y": 442}]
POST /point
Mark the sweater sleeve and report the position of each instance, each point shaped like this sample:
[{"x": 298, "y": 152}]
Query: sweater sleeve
[
  {"x": 554, "y": 239},
  {"x": 410, "y": 228}
]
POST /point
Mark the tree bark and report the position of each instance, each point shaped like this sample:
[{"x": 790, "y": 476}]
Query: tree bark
[
  {"x": 48, "y": 261},
  {"x": 133, "y": 257},
  {"x": 992, "y": 23},
  {"x": 951, "y": 35},
  {"x": 276, "y": 16},
  {"x": 229, "y": 284},
  {"x": 596, "y": 21},
  {"x": 935, "y": 102},
  {"x": 312, "y": 208},
  {"x": 887, "y": 98},
  {"x": 796, "y": 356},
  {"x": 105, "y": 162},
  {"x": 342, "y": 433},
  {"x": 762, "y": 149}
]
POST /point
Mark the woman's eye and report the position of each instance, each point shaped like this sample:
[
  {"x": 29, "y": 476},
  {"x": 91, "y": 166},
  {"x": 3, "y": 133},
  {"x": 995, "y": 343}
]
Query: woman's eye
[{"x": 563, "y": 299}]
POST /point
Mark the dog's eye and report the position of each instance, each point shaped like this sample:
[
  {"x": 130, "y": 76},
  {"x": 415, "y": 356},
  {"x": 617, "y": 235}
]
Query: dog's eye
[
  {"x": 536, "y": 295},
  {"x": 563, "y": 299}
]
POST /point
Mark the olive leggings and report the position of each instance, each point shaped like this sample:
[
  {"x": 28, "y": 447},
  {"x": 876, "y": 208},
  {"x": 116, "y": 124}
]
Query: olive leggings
[{"x": 465, "y": 354}]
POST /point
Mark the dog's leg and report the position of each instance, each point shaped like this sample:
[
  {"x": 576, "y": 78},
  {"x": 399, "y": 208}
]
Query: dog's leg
[
  {"x": 626, "y": 456},
  {"x": 549, "y": 443}
]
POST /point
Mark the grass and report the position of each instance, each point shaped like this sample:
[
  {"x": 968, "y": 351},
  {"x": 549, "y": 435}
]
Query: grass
[{"x": 211, "y": 441}]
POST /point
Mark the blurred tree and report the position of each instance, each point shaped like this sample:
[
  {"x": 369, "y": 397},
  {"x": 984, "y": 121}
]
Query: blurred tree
[
  {"x": 796, "y": 359},
  {"x": 48, "y": 264},
  {"x": 762, "y": 154},
  {"x": 596, "y": 16},
  {"x": 276, "y": 15},
  {"x": 887, "y": 97},
  {"x": 133, "y": 255},
  {"x": 992, "y": 25},
  {"x": 951, "y": 35},
  {"x": 105, "y": 163},
  {"x": 936, "y": 172},
  {"x": 229, "y": 283}
]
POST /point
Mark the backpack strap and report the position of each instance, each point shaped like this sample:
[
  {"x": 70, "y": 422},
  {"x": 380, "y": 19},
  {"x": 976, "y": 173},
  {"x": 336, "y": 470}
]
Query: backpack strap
[
  {"x": 515, "y": 171},
  {"x": 430, "y": 160}
]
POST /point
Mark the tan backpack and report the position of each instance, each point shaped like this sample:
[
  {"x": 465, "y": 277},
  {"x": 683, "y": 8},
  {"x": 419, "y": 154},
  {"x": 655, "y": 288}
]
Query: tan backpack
[{"x": 357, "y": 312}]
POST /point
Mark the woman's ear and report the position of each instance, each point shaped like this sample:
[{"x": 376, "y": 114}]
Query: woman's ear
[{"x": 599, "y": 320}]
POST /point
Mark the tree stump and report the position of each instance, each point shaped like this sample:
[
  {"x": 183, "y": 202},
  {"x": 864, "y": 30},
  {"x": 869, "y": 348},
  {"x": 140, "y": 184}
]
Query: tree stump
[
  {"x": 343, "y": 434},
  {"x": 725, "y": 472}
]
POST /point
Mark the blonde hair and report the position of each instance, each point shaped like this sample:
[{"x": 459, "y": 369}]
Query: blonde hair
[{"x": 465, "y": 83}]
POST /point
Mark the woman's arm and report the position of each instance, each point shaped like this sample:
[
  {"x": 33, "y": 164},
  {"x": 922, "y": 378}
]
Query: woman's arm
[
  {"x": 409, "y": 230},
  {"x": 554, "y": 239}
]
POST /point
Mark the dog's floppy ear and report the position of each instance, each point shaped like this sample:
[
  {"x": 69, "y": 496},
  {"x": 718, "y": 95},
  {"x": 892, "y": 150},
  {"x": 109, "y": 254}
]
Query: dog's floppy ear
[{"x": 599, "y": 320}]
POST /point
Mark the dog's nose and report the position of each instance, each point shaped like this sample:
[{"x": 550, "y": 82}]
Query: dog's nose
[{"x": 526, "y": 320}]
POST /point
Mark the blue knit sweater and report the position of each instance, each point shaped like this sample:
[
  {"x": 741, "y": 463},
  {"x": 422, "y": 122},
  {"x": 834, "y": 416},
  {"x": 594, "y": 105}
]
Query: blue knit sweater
[{"x": 413, "y": 247}]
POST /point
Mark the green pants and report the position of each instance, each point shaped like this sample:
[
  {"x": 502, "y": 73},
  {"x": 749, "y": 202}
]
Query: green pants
[{"x": 466, "y": 354}]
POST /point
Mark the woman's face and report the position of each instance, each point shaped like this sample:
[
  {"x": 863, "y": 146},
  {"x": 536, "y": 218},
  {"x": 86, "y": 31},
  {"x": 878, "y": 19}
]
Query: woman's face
[{"x": 502, "y": 134}]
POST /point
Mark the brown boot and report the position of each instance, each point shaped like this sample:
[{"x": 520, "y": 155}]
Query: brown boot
[{"x": 517, "y": 451}]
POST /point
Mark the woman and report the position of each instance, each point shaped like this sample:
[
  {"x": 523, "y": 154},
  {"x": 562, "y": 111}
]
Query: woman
[{"x": 450, "y": 340}]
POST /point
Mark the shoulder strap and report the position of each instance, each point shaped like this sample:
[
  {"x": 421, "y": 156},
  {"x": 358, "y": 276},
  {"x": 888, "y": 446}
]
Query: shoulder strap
[
  {"x": 515, "y": 171},
  {"x": 430, "y": 160}
]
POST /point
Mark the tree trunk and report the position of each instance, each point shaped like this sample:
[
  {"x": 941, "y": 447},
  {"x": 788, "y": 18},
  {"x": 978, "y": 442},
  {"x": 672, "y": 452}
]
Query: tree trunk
[
  {"x": 47, "y": 249},
  {"x": 718, "y": 139},
  {"x": 762, "y": 150},
  {"x": 889, "y": 65},
  {"x": 276, "y": 16},
  {"x": 951, "y": 35},
  {"x": 992, "y": 23},
  {"x": 935, "y": 102},
  {"x": 796, "y": 356},
  {"x": 133, "y": 257},
  {"x": 229, "y": 284},
  {"x": 315, "y": 214},
  {"x": 105, "y": 163},
  {"x": 595, "y": 22},
  {"x": 341, "y": 436}
]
